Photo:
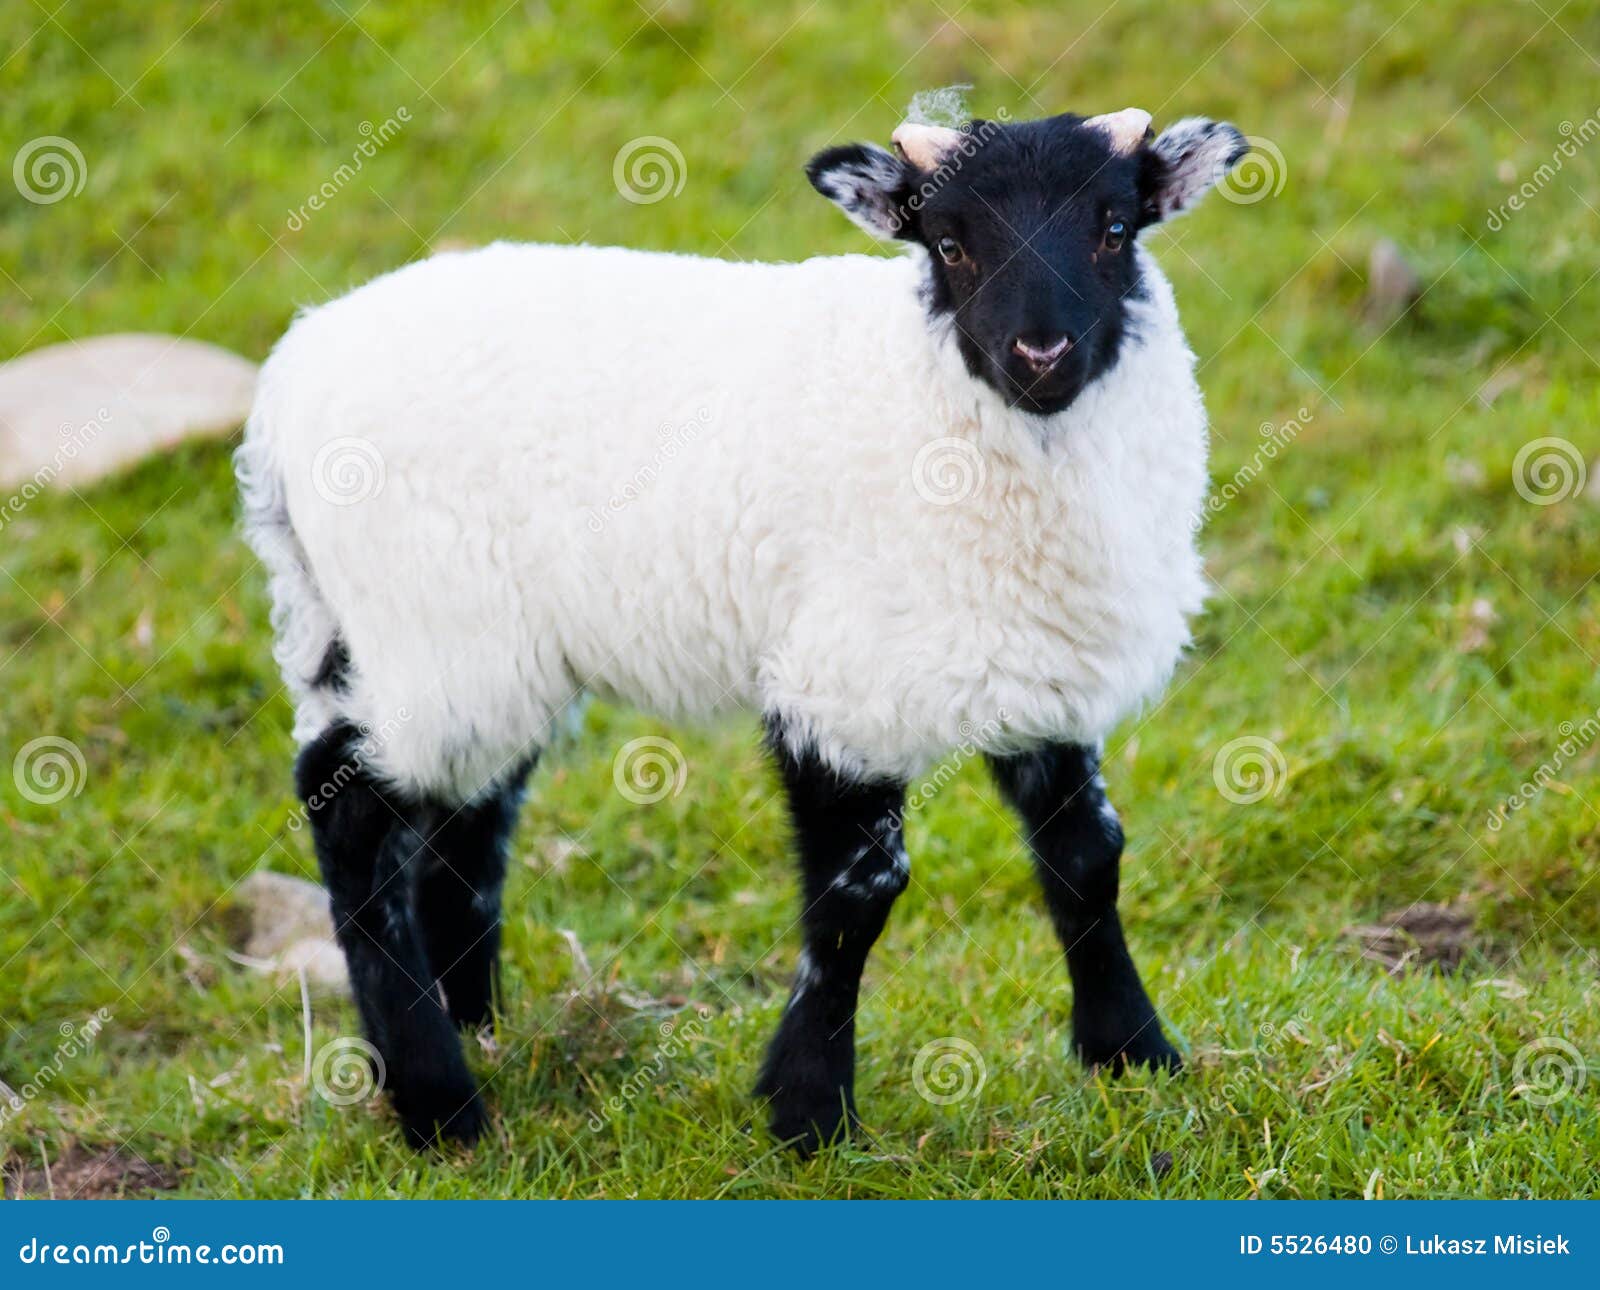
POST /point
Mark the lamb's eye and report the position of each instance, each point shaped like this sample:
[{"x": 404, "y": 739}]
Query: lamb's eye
[
  {"x": 950, "y": 251},
  {"x": 1115, "y": 235}
]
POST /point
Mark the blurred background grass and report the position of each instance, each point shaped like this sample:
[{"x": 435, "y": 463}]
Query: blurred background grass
[{"x": 1391, "y": 612}]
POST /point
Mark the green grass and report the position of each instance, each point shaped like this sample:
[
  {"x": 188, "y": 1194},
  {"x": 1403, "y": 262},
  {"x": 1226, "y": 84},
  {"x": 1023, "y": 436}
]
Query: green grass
[{"x": 1391, "y": 614}]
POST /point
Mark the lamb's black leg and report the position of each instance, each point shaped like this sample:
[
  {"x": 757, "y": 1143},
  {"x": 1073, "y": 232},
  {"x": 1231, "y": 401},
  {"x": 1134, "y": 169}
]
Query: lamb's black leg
[
  {"x": 852, "y": 866},
  {"x": 1077, "y": 846},
  {"x": 458, "y": 897},
  {"x": 371, "y": 844}
]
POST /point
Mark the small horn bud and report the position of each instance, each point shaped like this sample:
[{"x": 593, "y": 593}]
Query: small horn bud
[
  {"x": 1127, "y": 128},
  {"x": 925, "y": 146}
]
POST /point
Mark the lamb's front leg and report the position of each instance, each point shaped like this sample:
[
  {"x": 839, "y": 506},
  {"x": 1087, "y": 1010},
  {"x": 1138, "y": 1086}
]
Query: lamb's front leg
[
  {"x": 852, "y": 866},
  {"x": 1077, "y": 846}
]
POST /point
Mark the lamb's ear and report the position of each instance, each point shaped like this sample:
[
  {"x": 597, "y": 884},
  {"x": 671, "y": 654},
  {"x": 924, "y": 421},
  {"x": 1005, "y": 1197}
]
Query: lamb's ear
[
  {"x": 869, "y": 185},
  {"x": 1184, "y": 163}
]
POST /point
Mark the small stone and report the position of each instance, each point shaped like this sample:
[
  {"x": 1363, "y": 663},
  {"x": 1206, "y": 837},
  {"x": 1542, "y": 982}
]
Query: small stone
[
  {"x": 1392, "y": 284},
  {"x": 74, "y": 412},
  {"x": 291, "y": 929}
]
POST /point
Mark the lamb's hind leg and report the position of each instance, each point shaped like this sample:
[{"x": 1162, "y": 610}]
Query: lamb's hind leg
[
  {"x": 1077, "y": 847},
  {"x": 852, "y": 866},
  {"x": 458, "y": 897},
  {"x": 372, "y": 846}
]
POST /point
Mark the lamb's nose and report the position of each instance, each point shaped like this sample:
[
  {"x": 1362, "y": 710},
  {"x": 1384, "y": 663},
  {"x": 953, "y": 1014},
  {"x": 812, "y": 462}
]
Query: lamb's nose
[{"x": 1041, "y": 352}]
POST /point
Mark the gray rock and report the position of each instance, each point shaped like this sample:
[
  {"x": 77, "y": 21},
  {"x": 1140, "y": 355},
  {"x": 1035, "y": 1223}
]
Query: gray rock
[
  {"x": 291, "y": 928},
  {"x": 1392, "y": 284},
  {"x": 73, "y": 412}
]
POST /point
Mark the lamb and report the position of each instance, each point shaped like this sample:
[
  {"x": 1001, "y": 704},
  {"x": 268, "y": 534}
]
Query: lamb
[{"x": 940, "y": 498}]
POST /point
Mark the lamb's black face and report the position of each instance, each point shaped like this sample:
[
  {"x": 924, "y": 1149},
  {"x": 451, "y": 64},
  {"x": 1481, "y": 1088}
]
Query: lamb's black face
[
  {"x": 1030, "y": 232},
  {"x": 1031, "y": 247}
]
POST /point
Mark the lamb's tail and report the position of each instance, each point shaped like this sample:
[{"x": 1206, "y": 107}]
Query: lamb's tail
[{"x": 307, "y": 645}]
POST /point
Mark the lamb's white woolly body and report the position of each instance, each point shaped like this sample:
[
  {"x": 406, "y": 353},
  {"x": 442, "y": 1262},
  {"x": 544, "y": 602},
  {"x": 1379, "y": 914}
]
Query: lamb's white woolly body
[{"x": 690, "y": 485}]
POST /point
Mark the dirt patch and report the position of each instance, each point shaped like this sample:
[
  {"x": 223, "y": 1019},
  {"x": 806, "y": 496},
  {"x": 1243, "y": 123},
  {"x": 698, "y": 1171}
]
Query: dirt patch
[
  {"x": 1417, "y": 936},
  {"x": 87, "y": 1174}
]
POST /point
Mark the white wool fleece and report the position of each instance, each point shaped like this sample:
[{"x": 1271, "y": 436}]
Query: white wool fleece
[{"x": 504, "y": 477}]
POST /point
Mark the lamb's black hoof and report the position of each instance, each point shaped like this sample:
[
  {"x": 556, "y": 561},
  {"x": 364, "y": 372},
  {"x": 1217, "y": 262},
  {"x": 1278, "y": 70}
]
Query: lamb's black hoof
[
  {"x": 805, "y": 1121},
  {"x": 442, "y": 1116},
  {"x": 1148, "y": 1048},
  {"x": 807, "y": 1132}
]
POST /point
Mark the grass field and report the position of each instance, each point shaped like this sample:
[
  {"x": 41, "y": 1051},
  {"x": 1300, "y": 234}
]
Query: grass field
[{"x": 1405, "y": 612}]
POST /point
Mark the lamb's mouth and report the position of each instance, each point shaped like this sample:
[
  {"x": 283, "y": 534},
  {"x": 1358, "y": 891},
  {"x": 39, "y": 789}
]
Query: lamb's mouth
[{"x": 1042, "y": 395}]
